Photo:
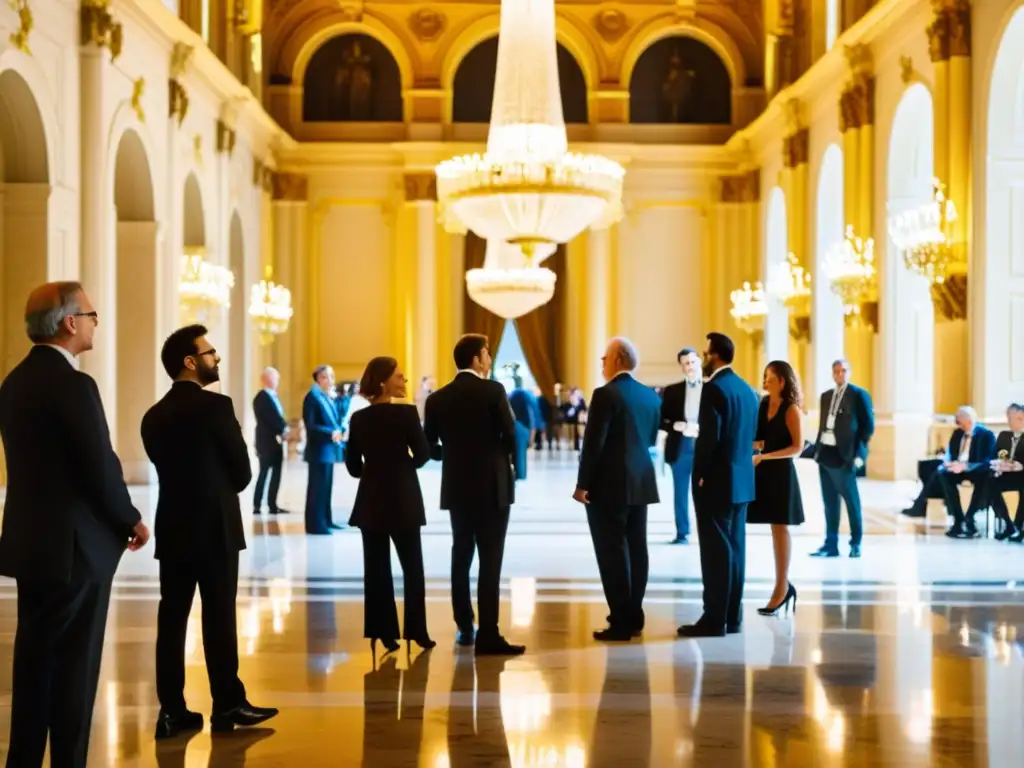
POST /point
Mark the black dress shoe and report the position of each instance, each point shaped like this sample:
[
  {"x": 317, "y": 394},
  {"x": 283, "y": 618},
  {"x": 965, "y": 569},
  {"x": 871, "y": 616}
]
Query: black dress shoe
[
  {"x": 245, "y": 714},
  {"x": 498, "y": 646},
  {"x": 336, "y": 527},
  {"x": 279, "y": 511},
  {"x": 679, "y": 540},
  {"x": 615, "y": 634},
  {"x": 825, "y": 552},
  {"x": 700, "y": 629},
  {"x": 913, "y": 512},
  {"x": 168, "y": 726},
  {"x": 465, "y": 636}
]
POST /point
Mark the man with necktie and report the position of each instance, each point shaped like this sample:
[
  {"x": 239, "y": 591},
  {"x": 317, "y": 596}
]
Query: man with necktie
[
  {"x": 271, "y": 431},
  {"x": 680, "y": 408},
  {"x": 323, "y": 450},
  {"x": 1008, "y": 475}
]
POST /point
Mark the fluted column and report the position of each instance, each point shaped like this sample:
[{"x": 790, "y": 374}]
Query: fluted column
[
  {"x": 857, "y": 125},
  {"x": 734, "y": 255},
  {"x": 794, "y": 185},
  {"x": 292, "y": 234},
  {"x": 415, "y": 280},
  {"x": 949, "y": 43}
]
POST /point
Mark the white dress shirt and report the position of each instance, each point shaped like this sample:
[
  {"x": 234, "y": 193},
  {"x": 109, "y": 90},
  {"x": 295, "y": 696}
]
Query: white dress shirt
[{"x": 67, "y": 355}]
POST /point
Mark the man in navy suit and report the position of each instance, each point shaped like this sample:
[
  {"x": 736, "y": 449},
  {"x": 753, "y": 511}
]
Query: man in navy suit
[
  {"x": 972, "y": 446},
  {"x": 847, "y": 422},
  {"x": 323, "y": 450},
  {"x": 527, "y": 413},
  {"x": 616, "y": 482},
  {"x": 723, "y": 485}
]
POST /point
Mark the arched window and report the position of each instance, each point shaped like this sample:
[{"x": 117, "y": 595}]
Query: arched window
[
  {"x": 679, "y": 80},
  {"x": 352, "y": 78}
]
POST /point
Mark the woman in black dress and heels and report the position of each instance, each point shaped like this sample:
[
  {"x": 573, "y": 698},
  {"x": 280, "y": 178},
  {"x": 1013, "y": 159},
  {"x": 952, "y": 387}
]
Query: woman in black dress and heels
[
  {"x": 386, "y": 446},
  {"x": 778, "y": 504}
]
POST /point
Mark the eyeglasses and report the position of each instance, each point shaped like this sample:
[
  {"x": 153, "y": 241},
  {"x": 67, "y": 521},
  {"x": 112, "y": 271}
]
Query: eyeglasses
[
  {"x": 210, "y": 351},
  {"x": 94, "y": 315}
]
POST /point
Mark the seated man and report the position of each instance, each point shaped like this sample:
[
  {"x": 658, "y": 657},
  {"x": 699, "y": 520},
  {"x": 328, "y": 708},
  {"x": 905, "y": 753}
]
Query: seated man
[
  {"x": 1007, "y": 474},
  {"x": 971, "y": 448}
]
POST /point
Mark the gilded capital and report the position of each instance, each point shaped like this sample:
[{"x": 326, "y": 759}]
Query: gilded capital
[
  {"x": 291, "y": 187},
  {"x": 949, "y": 34},
  {"x": 177, "y": 101},
  {"x": 740, "y": 187},
  {"x": 857, "y": 104},
  {"x": 225, "y": 138},
  {"x": 420, "y": 187},
  {"x": 97, "y": 27},
  {"x": 795, "y": 149}
]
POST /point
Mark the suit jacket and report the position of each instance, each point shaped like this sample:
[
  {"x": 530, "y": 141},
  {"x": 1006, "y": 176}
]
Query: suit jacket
[
  {"x": 469, "y": 427},
  {"x": 723, "y": 455},
  {"x": 320, "y": 415},
  {"x": 525, "y": 408},
  {"x": 615, "y": 463},
  {"x": 202, "y": 464},
  {"x": 66, "y": 495},
  {"x": 386, "y": 446},
  {"x": 1004, "y": 442},
  {"x": 270, "y": 424},
  {"x": 673, "y": 409},
  {"x": 855, "y": 423},
  {"x": 981, "y": 451}
]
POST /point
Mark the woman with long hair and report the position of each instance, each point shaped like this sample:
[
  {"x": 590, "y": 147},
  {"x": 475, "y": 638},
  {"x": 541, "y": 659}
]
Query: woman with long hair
[
  {"x": 386, "y": 446},
  {"x": 778, "y": 504}
]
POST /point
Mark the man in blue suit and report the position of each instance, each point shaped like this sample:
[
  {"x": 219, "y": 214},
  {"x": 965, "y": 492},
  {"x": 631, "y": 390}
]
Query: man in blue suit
[
  {"x": 723, "y": 485},
  {"x": 323, "y": 450},
  {"x": 616, "y": 482},
  {"x": 524, "y": 406}
]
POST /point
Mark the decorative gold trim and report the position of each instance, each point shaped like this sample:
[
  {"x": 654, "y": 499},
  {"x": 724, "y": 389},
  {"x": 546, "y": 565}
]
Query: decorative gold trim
[
  {"x": 257, "y": 171},
  {"x": 740, "y": 187},
  {"x": 138, "y": 88},
  {"x": 177, "y": 101},
  {"x": 292, "y": 187},
  {"x": 19, "y": 37},
  {"x": 427, "y": 24},
  {"x": 800, "y": 328},
  {"x": 181, "y": 57},
  {"x": 795, "y": 149},
  {"x": 611, "y": 24},
  {"x": 907, "y": 74},
  {"x": 950, "y": 298},
  {"x": 857, "y": 103},
  {"x": 197, "y": 149},
  {"x": 225, "y": 138},
  {"x": 420, "y": 186},
  {"x": 99, "y": 28},
  {"x": 949, "y": 34}
]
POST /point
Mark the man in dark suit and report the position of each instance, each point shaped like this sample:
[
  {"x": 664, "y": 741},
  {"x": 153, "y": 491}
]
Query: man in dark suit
[
  {"x": 202, "y": 464},
  {"x": 616, "y": 482},
  {"x": 846, "y": 424},
  {"x": 67, "y": 520},
  {"x": 1007, "y": 474},
  {"x": 469, "y": 427},
  {"x": 972, "y": 446},
  {"x": 271, "y": 430},
  {"x": 723, "y": 486},
  {"x": 680, "y": 408},
  {"x": 323, "y": 450}
]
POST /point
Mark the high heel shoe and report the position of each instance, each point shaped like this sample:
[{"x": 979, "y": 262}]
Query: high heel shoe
[
  {"x": 423, "y": 642},
  {"x": 770, "y": 611},
  {"x": 390, "y": 646}
]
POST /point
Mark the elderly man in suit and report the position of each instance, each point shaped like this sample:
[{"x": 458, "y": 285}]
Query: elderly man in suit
[
  {"x": 616, "y": 482},
  {"x": 972, "y": 446},
  {"x": 723, "y": 486},
  {"x": 67, "y": 521},
  {"x": 847, "y": 422},
  {"x": 323, "y": 450}
]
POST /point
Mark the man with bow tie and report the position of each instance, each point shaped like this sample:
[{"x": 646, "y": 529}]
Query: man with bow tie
[
  {"x": 271, "y": 431},
  {"x": 680, "y": 406}
]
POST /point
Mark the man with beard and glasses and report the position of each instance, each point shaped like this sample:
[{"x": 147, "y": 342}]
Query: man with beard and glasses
[{"x": 202, "y": 463}]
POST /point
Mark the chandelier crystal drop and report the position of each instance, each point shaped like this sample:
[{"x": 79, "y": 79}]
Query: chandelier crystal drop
[
  {"x": 924, "y": 235},
  {"x": 851, "y": 271},
  {"x": 528, "y": 189},
  {"x": 749, "y": 307},
  {"x": 270, "y": 306},
  {"x": 508, "y": 285},
  {"x": 203, "y": 287}
]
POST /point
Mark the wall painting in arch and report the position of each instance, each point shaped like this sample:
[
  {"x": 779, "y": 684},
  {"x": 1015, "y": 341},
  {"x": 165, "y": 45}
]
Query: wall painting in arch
[
  {"x": 473, "y": 87},
  {"x": 679, "y": 80},
  {"x": 352, "y": 78}
]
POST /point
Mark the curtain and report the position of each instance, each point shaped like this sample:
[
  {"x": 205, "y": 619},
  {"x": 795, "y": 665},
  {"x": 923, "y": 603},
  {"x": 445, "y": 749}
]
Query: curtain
[
  {"x": 476, "y": 319},
  {"x": 540, "y": 331}
]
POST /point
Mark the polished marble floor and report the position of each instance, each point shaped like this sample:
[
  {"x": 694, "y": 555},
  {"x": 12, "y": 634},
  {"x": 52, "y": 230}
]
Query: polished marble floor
[{"x": 911, "y": 656}]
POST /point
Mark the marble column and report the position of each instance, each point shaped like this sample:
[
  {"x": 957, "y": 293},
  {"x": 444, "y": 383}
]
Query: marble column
[
  {"x": 734, "y": 254},
  {"x": 599, "y": 322},
  {"x": 97, "y": 215},
  {"x": 292, "y": 233},
  {"x": 575, "y": 309},
  {"x": 949, "y": 44},
  {"x": 794, "y": 185}
]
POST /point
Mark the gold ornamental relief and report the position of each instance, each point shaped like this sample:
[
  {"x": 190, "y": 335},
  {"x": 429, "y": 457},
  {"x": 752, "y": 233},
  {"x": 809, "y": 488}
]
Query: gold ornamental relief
[
  {"x": 740, "y": 187},
  {"x": 292, "y": 187},
  {"x": 950, "y": 298},
  {"x": 427, "y": 24},
  {"x": 611, "y": 24},
  {"x": 949, "y": 34},
  {"x": 795, "y": 149},
  {"x": 420, "y": 187},
  {"x": 857, "y": 104}
]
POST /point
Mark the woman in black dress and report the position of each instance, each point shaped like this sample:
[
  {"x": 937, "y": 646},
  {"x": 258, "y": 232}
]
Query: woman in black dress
[
  {"x": 779, "y": 439},
  {"x": 386, "y": 446}
]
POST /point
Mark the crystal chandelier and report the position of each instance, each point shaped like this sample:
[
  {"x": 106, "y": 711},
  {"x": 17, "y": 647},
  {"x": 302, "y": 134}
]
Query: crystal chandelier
[
  {"x": 527, "y": 188},
  {"x": 508, "y": 285},
  {"x": 749, "y": 308},
  {"x": 790, "y": 283},
  {"x": 850, "y": 269},
  {"x": 203, "y": 287},
  {"x": 925, "y": 238},
  {"x": 270, "y": 307}
]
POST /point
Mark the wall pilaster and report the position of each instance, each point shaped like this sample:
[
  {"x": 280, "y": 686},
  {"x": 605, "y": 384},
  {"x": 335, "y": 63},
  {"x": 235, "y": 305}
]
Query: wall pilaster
[
  {"x": 416, "y": 319},
  {"x": 794, "y": 186},
  {"x": 292, "y": 235}
]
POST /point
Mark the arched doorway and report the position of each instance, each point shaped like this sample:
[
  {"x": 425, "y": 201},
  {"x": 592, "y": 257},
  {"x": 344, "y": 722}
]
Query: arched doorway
[
  {"x": 827, "y": 333},
  {"x": 906, "y": 312},
  {"x": 136, "y": 333},
  {"x": 238, "y": 328},
  {"x": 996, "y": 279},
  {"x": 24, "y": 215},
  {"x": 776, "y": 332}
]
